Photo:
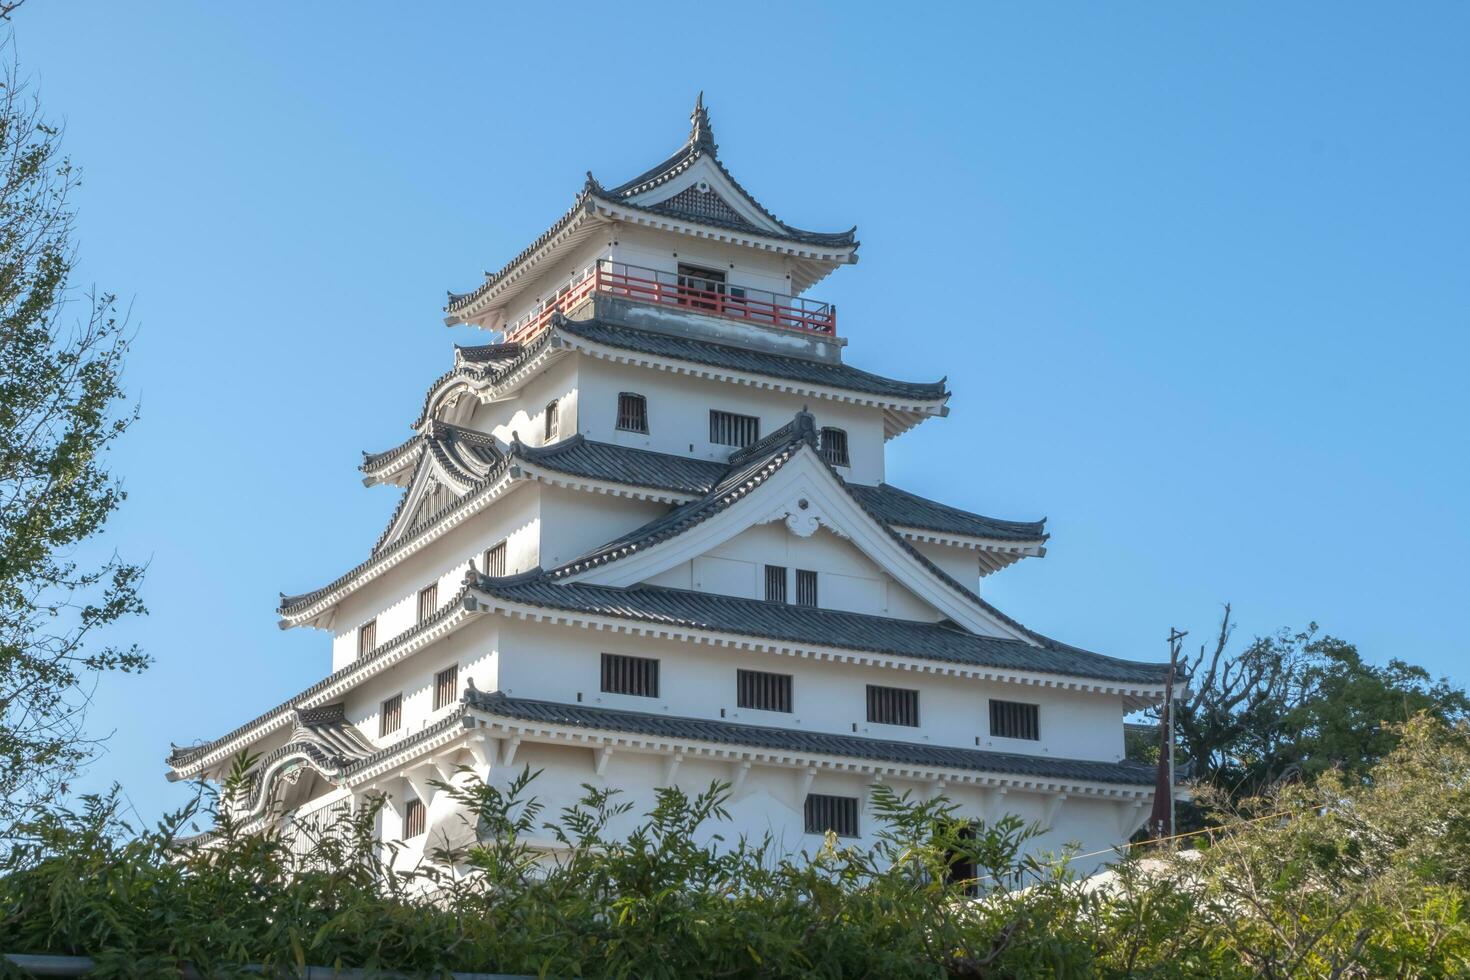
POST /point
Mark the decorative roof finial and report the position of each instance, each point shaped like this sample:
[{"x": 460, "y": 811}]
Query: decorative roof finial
[{"x": 701, "y": 136}]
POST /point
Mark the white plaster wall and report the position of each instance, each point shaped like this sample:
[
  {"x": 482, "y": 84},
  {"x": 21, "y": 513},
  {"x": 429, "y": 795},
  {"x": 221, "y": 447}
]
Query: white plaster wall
[
  {"x": 525, "y": 412},
  {"x": 679, "y": 407},
  {"x": 846, "y": 578},
  {"x": 563, "y": 663},
  {"x": 393, "y": 596},
  {"x": 665, "y": 252},
  {"x": 573, "y": 522},
  {"x": 961, "y": 564}
]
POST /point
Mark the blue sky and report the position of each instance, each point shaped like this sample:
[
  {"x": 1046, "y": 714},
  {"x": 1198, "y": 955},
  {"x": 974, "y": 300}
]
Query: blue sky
[{"x": 1197, "y": 276}]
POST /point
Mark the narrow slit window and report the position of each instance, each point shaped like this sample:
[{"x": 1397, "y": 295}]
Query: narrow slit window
[
  {"x": 367, "y": 637},
  {"x": 1015, "y": 719},
  {"x": 632, "y": 412},
  {"x": 838, "y": 814},
  {"x": 775, "y": 583},
  {"x": 390, "y": 718},
  {"x": 446, "y": 686},
  {"x": 549, "y": 425},
  {"x": 763, "y": 691},
  {"x": 428, "y": 601},
  {"x": 730, "y": 429},
  {"x": 622, "y": 674},
  {"x": 806, "y": 587},
  {"x": 413, "y": 818},
  {"x": 495, "y": 560},
  {"x": 833, "y": 446},
  {"x": 893, "y": 705}
]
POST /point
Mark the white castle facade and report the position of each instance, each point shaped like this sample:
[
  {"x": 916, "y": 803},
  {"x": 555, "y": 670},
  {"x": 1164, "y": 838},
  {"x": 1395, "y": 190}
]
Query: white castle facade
[{"x": 648, "y": 539}]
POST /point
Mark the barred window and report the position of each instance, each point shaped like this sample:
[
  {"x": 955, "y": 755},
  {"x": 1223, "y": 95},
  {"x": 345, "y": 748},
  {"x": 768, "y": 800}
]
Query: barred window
[
  {"x": 390, "y": 716},
  {"x": 495, "y": 560},
  {"x": 893, "y": 705},
  {"x": 763, "y": 691},
  {"x": 446, "y": 686},
  {"x": 776, "y": 583},
  {"x": 629, "y": 675},
  {"x": 833, "y": 445},
  {"x": 428, "y": 601},
  {"x": 838, "y": 814},
  {"x": 413, "y": 818},
  {"x": 549, "y": 433},
  {"x": 1015, "y": 719},
  {"x": 367, "y": 637},
  {"x": 632, "y": 412},
  {"x": 729, "y": 429},
  {"x": 806, "y": 587}
]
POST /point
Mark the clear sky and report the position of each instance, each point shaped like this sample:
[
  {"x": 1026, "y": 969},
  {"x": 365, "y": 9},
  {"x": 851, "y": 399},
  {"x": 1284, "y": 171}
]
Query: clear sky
[{"x": 1197, "y": 276}]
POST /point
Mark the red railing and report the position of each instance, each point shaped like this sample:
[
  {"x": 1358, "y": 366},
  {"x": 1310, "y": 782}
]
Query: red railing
[{"x": 694, "y": 293}]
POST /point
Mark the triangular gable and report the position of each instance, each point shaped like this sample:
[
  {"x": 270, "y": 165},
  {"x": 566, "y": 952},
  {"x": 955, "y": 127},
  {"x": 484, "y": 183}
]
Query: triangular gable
[
  {"x": 702, "y": 191},
  {"x": 793, "y": 485}
]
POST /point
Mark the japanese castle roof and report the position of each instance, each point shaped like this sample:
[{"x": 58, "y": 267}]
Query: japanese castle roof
[
  {"x": 806, "y": 741},
  {"x": 807, "y": 625},
  {"x": 699, "y": 487},
  {"x": 498, "y": 367},
  {"x": 702, "y": 207}
]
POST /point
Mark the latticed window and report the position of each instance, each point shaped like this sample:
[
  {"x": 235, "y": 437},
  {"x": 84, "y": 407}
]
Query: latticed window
[
  {"x": 838, "y": 814},
  {"x": 776, "y": 583},
  {"x": 390, "y": 717},
  {"x": 629, "y": 675},
  {"x": 414, "y": 816},
  {"x": 806, "y": 587},
  {"x": 367, "y": 637},
  {"x": 729, "y": 429},
  {"x": 1015, "y": 719},
  {"x": 428, "y": 601},
  {"x": 495, "y": 560},
  {"x": 446, "y": 686},
  {"x": 763, "y": 691},
  {"x": 893, "y": 705},
  {"x": 549, "y": 429},
  {"x": 632, "y": 412},
  {"x": 833, "y": 446}
]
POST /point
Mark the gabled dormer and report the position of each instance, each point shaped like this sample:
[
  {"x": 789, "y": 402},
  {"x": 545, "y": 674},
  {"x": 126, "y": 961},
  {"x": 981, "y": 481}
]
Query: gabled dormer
[{"x": 684, "y": 234}]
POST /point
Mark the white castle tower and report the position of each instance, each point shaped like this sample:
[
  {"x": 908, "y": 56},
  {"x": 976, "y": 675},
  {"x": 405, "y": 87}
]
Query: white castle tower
[{"x": 648, "y": 539}]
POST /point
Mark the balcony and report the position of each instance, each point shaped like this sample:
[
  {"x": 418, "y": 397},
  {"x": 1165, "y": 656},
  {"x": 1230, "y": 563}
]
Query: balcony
[{"x": 693, "y": 293}]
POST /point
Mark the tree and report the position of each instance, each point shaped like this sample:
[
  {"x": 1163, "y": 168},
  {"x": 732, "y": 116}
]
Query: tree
[
  {"x": 61, "y": 356},
  {"x": 1298, "y": 704}
]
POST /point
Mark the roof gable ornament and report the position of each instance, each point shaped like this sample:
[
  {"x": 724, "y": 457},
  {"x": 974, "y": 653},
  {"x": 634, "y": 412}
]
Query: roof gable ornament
[{"x": 701, "y": 136}]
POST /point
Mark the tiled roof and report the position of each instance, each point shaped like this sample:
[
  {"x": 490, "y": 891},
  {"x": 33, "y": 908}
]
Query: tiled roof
[
  {"x": 903, "y": 509},
  {"x": 578, "y": 456},
  {"x": 816, "y": 626},
  {"x": 807, "y": 741},
  {"x": 710, "y": 354}
]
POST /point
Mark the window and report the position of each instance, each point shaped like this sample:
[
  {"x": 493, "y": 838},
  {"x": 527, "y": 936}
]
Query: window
[
  {"x": 446, "y": 686},
  {"x": 695, "y": 285},
  {"x": 390, "y": 716},
  {"x": 495, "y": 560},
  {"x": 428, "y": 601},
  {"x": 1013, "y": 719},
  {"x": 549, "y": 429},
  {"x": 893, "y": 705},
  {"x": 763, "y": 691},
  {"x": 806, "y": 587},
  {"x": 960, "y": 867},
  {"x": 729, "y": 429},
  {"x": 775, "y": 583},
  {"x": 367, "y": 637},
  {"x": 632, "y": 412},
  {"x": 833, "y": 446},
  {"x": 413, "y": 818},
  {"x": 838, "y": 814},
  {"x": 629, "y": 675}
]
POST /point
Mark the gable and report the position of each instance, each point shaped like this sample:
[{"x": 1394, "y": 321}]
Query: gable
[
  {"x": 703, "y": 192},
  {"x": 795, "y": 489}
]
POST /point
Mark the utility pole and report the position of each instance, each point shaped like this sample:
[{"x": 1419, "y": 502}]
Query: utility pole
[{"x": 1176, "y": 642}]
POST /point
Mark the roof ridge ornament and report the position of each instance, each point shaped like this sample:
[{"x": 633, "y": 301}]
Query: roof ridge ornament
[{"x": 701, "y": 135}]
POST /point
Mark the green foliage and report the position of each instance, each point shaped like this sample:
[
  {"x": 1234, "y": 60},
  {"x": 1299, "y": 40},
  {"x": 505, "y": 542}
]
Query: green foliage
[
  {"x": 60, "y": 390},
  {"x": 1338, "y": 877}
]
